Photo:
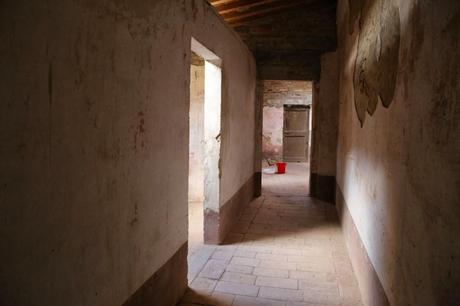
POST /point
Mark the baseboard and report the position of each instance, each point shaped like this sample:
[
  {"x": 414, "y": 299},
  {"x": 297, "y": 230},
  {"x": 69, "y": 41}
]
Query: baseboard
[
  {"x": 322, "y": 187},
  {"x": 166, "y": 286},
  {"x": 218, "y": 225},
  {"x": 371, "y": 288}
]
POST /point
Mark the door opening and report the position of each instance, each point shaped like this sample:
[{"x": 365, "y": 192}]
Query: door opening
[
  {"x": 296, "y": 133},
  {"x": 204, "y": 148},
  {"x": 286, "y": 135}
]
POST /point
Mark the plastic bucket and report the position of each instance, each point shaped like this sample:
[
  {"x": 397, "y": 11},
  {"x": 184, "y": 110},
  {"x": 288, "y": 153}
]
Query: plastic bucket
[{"x": 281, "y": 168}]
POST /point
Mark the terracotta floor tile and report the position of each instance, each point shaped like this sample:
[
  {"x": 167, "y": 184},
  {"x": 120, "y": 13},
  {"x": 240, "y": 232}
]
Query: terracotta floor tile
[
  {"x": 286, "y": 250},
  {"x": 236, "y": 288}
]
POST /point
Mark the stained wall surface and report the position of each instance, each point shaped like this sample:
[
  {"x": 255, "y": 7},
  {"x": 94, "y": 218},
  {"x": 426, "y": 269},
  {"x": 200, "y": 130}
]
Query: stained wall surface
[
  {"x": 94, "y": 132},
  {"x": 400, "y": 172},
  {"x": 325, "y": 111},
  {"x": 276, "y": 94}
]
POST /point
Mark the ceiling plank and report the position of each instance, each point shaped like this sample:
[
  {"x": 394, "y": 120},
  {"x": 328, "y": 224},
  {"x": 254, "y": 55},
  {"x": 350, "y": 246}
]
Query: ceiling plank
[
  {"x": 242, "y": 5},
  {"x": 259, "y": 12}
]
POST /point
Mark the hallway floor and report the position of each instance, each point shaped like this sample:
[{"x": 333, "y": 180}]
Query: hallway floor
[{"x": 287, "y": 249}]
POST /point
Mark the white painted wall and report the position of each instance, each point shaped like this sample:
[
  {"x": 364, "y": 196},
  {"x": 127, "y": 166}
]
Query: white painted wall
[
  {"x": 212, "y": 134},
  {"x": 196, "y": 138}
]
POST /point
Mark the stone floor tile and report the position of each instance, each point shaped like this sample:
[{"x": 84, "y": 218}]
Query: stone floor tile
[
  {"x": 278, "y": 265},
  {"x": 303, "y": 258},
  {"x": 313, "y": 276},
  {"x": 271, "y": 272},
  {"x": 223, "y": 299},
  {"x": 238, "y": 278},
  {"x": 316, "y": 266},
  {"x": 203, "y": 285},
  {"x": 316, "y": 251},
  {"x": 322, "y": 286},
  {"x": 239, "y": 269},
  {"x": 243, "y": 261},
  {"x": 222, "y": 255},
  {"x": 237, "y": 289},
  {"x": 256, "y": 249},
  {"x": 213, "y": 269},
  {"x": 321, "y": 296},
  {"x": 197, "y": 261},
  {"x": 284, "y": 234},
  {"x": 286, "y": 251},
  {"x": 274, "y": 257},
  {"x": 245, "y": 253},
  {"x": 250, "y": 301},
  {"x": 277, "y": 282},
  {"x": 281, "y": 294},
  {"x": 302, "y": 304}
]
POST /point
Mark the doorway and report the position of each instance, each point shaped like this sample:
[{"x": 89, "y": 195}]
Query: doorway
[
  {"x": 296, "y": 123},
  {"x": 286, "y": 135},
  {"x": 204, "y": 148}
]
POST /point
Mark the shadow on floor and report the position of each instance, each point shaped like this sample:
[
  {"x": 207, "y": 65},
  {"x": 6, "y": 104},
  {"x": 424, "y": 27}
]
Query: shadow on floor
[{"x": 285, "y": 250}]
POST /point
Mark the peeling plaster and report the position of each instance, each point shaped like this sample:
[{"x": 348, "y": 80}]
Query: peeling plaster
[{"x": 377, "y": 59}]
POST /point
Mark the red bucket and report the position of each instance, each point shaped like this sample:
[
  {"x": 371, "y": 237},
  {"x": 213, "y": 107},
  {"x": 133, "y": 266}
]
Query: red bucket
[{"x": 281, "y": 168}]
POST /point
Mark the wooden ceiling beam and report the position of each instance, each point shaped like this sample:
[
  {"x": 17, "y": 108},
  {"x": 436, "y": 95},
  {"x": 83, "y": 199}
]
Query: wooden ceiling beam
[
  {"x": 298, "y": 14},
  {"x": 220, "y": 2},
  {"x": 243, "y": 5},
  {"x": 260, "y": 12}
]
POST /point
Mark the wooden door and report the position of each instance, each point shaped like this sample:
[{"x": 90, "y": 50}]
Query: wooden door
[{"x": 295, "y": 133}]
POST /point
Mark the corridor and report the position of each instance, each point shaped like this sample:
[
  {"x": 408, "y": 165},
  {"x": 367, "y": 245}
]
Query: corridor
[
  {"x": 286, "y": 249},
  {"x": 133, "y": 137}
]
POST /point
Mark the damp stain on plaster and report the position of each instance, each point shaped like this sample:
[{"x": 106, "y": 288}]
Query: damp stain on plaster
[
  {"x": 353, "y": 13},
  {"x": 418, "y": 35},
  {"x": 194, "y": 10},
  {"x": 135, "y": 219},
  {"x": 79, "y": 46},
  {"x": 50, "y": 110},
  {"x": 139, "y": 142},
  {"x": 411, "y": 53},
  {"x": 123, "y": 9},
  {"x": 444, "y": 116},
  {"x": 211, "y": 225}
]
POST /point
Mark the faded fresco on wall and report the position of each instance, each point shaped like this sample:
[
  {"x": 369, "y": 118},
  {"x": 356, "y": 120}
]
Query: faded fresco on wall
[{"x": 377, "y": 58}]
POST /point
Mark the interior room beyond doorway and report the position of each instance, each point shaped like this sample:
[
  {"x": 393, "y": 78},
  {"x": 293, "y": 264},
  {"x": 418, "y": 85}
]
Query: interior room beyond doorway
[{"x": 286, "y": 130}]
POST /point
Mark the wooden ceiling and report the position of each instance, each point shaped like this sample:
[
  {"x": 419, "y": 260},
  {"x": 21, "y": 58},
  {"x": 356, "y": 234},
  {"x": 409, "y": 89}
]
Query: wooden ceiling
[{"x": 287, "y": 37}]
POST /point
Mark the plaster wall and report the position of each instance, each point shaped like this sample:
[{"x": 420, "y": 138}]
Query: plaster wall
[
  {"x": 276, "y": 94},
  {"x": 95, "y": 135},
  {"x": 325, "y": 118},
  {"x": 272, "y": 141},
  {"x": 196, "y": 169},
  {"x": 400, "y": 172},
  {"x": 325, "y": 110}
]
